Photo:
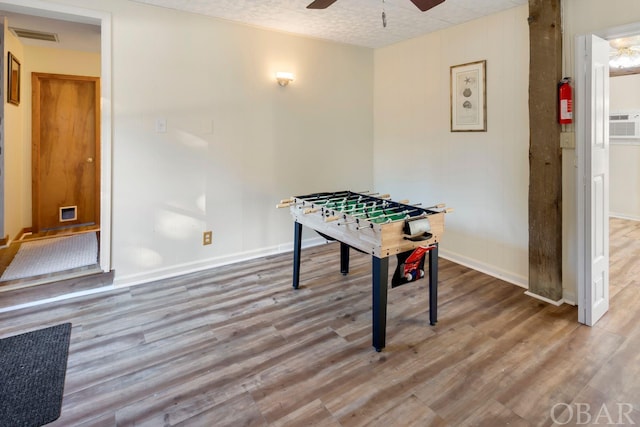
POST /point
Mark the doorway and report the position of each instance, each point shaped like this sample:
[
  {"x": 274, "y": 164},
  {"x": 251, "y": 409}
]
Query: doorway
[
  {"x": 592, "y": 136},
  {"x": 65, "y": 158},
  {"x": 72, "y": 213}
]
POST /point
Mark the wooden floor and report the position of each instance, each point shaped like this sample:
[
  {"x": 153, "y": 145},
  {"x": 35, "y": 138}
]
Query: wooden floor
[{"x": 236, "y": 346}]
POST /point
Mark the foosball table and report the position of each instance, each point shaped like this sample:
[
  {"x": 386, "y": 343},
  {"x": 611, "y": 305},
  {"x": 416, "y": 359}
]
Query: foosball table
[{"x": 374, "y": 224}]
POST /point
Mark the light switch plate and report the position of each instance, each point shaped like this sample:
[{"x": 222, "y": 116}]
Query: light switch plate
[
  {"x": 567, "y": 140},
  {"x": 161, "y": 125}
]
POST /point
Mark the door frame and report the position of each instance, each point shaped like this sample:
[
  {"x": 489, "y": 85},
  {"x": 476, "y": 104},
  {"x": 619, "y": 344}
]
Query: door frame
[
  {"x": 583, "y": 231},
  {"x": 86, "y": 16}
]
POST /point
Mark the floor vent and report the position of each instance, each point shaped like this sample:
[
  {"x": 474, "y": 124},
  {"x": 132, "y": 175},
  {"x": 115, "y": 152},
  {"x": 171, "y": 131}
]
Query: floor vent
[{"x": 34, "y": 35}]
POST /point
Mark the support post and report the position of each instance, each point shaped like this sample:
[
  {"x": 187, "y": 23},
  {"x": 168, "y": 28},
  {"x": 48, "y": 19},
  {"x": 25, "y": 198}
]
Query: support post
[{"x": 545, "y": 154}]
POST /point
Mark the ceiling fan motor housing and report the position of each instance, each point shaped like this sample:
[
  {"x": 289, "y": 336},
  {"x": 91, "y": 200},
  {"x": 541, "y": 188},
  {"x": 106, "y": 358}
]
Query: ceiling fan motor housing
[{"x": 423, "y": 5}]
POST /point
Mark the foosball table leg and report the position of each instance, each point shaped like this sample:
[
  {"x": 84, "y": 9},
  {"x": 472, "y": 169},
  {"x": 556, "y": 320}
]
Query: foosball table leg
[
  {"x": 297, "y": 247},
  {"x": 344, "y": 259},
  {"x": 433, "y": 285},
  {"x": 380, "y": 270}
]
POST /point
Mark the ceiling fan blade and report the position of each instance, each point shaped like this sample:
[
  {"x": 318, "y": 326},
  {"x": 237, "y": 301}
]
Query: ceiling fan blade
[
  {"x": 425, "y": 5},
  {"x": 321, "y": 4}
]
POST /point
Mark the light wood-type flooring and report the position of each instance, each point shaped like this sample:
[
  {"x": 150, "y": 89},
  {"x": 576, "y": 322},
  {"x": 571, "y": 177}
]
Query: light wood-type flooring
[{"x": 237, "y": 346}]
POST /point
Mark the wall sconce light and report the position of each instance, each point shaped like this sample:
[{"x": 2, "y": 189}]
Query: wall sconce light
[{"x": 284, "y": 78}]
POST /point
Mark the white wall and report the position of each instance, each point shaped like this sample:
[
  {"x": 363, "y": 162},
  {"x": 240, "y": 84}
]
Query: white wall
[
  {"x": 624, "y": 160},
  {"x": 583, "y": 17},
  {"x": 624, "y": 197},
  {"x": 236, "y": 142},
  {"x": 624, "y": 93},
  {"x": 484, "y": 176}
]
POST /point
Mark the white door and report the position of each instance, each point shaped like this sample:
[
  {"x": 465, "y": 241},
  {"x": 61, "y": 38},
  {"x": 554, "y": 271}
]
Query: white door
[{"x": 592, "y": 151}]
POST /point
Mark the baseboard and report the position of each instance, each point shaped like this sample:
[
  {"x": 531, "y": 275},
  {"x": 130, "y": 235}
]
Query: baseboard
[
  {"x": 25, "y": 231},
  {"x": 488, "y": 269},
  {"x": 624, "y": 216},
  {"x": 194, "y": 267},
  {"x": 547, "y": 300},
  {"x": 5, "y": 242},
  {"x": 569, "y": 297}
]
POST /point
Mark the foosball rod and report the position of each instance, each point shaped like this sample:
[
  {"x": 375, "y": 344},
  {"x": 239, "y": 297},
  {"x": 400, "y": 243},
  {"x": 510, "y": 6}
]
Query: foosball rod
[
  {"x": 328, "y": 199},
  {"x": 404, "y": 206},
  {"x": 373, "y": 208},
  {"x": 335, "y": 217},
  {"x": 383, "y": 209},
  {"x": 285, "y": 203},
  {"x": 358, "y": 199},
  {"x": 322, "y": 208},
  {"x": 384, "y": 213},
  {"x": 333, "y": 196},
  {"x": 388, "y": 221},
  {"x": 423, "y": 215},
  {"x": 343, "y": 195},
  {"x": 313, "y": 208},
  {"x": 360, "y": 215},
  {"x": 347, "y": 195},
  {"x": 425, "y": 211},
  {"x": 370, "y": 220}
]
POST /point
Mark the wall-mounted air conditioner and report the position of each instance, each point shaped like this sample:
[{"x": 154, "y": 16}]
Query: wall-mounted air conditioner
[{"x": 624, "y": 125}]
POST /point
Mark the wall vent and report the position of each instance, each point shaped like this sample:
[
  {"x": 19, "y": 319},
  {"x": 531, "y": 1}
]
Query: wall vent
[
  {"x": 624, "y": 125},
  {"x": 34, "y": 35},
  {"x": 68, "y": 213}
]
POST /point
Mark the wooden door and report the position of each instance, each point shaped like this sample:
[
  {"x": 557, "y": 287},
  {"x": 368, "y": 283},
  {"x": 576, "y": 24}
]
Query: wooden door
[
  {"x": 593, "y": 173},
  {"x": 66, "y": 151}
]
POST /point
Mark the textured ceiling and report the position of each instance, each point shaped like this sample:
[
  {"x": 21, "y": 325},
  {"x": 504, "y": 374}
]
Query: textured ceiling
[{"x": 357, "y": 22}]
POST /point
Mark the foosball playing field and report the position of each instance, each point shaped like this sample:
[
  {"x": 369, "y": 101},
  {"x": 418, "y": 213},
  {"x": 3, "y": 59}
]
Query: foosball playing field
[{"x": 376, "y": 225}]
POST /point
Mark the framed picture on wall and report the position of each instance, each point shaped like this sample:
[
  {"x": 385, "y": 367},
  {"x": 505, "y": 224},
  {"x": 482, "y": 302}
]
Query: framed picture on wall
[
  {"x": 469, "y": 97},
  {"x": 13, "y": 80}
]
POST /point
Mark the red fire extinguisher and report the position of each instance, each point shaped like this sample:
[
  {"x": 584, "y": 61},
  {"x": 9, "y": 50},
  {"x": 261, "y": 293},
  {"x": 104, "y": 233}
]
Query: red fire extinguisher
[{"x": 565, "y": 111}]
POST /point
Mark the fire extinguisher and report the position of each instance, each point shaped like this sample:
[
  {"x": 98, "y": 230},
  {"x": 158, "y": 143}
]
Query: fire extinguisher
[{"x": 565, "y": 111}]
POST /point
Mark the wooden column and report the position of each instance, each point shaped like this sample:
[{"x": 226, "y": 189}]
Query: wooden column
[{"x": 545, "y": 155}]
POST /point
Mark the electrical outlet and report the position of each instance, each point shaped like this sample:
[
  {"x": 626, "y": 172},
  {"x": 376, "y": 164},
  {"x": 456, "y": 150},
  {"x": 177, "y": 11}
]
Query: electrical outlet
[{"x": 207, "y": 237}]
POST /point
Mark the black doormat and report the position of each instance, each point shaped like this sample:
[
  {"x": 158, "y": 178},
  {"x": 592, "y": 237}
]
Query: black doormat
[{"x": 32, "y": 371}]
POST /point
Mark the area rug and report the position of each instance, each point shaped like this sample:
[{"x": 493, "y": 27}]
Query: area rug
[
  {"x": 33, "y": 368},
  {"x": 53, "y": 255}
]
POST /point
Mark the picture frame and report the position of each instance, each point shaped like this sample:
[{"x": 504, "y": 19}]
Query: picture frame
[
  {"x": 469, "y": 97},
  {"x": 13, "y": 80}
]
